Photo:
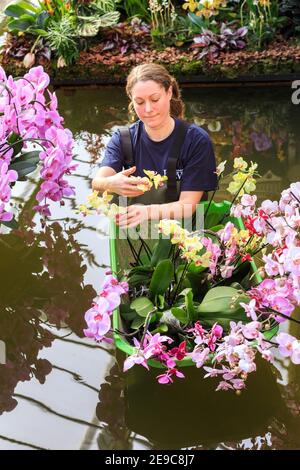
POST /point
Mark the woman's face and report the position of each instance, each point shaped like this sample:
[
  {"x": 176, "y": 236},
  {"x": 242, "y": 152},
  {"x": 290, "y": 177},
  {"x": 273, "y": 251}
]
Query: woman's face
[{"x": 151, "y": 103}]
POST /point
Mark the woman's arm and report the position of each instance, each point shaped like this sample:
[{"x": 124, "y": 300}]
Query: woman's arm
[
  {"x": 107, "y": 179},
  {"x": 183, "y": 208}
]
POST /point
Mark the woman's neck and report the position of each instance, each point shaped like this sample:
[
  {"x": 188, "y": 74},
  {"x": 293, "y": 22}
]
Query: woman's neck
[{"x": 161, "y": 132}]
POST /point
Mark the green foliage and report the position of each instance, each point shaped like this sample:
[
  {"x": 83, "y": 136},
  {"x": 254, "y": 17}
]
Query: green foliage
[
  {"x": 143, "y": 306},
  {"x": 222, "y": 305},
  {"x": 61, "y": 37},
  {"x": 25, "y": 17},
  {"x": 96, "y": 15},
  {"x": 291, "y": 10},
  {"x": 161, "y": 278},
  {"x": 135, "y": 8}
]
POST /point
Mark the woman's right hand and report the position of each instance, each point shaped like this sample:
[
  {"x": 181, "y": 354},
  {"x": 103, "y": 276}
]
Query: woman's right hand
[{"x": 121, "y": 183}]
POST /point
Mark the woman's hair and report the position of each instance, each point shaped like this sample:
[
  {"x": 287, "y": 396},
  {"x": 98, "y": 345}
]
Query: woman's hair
[{"x": 157, "y": 73}]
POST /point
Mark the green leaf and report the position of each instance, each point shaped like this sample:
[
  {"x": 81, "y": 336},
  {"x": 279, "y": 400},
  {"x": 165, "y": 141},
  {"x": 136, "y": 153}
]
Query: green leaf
[
  {"x": 126, "y": 312},
  {"x": 216, "y": 228},
  {"x": 12, "y": 139},
  {"x": 13, "y": 224},
  {"x": 222, "y": 305},
  {"x": 19, "y": 25},
  {"x": 23, "y": 168},
  {"x": 161, "y": 251},
  {"x": 218, "y": 299},
  {"x": 137, "y": 322},
  {"x": 142, "y": 305},
  {"x": 28, "y": 6},
  {"x": 160, "y": 302},
  {"x": 32, "y": 157},
  {"x": 27, "y": 17},
  {"x": 161, "y": 278},
  {"x": 212, "y": 219},
  {"x": 188, "y": 298},
  {"x": 163, "y": 328},
  {"x": 15, "y": 11},
  {"x": 180, "y": 314},
  {"x": 38, "y": 32}
]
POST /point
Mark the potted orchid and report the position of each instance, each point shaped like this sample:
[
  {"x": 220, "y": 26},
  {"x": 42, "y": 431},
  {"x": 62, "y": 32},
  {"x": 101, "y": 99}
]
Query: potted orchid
[{"x": 198, "y": 298}]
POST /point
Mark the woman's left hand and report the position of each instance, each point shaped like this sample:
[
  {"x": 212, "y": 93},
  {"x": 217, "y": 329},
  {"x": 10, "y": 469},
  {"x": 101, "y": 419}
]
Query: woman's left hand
[{"x": 134, "y": 215}]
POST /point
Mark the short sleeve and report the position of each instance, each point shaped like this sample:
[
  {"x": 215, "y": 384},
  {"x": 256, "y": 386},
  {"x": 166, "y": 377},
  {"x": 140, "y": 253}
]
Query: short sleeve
[
  {"x": 113, "y": 156},
  {"x": 199, "y": 163}
]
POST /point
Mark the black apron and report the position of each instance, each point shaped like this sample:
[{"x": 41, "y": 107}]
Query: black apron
[{"x": 170, "y": 192}]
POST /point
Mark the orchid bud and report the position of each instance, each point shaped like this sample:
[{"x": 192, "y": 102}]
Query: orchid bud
[
  {"x": 61, "y": 62},
  {"x": 29, "y": 60}
]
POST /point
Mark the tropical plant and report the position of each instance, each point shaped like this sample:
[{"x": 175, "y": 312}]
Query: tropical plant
[
  {"x": 163, "y": 18},
  {"x": 26, "y": 17},
  {"x": 135, "y": 8},
  {"x": 262, "y": 17},
  {"x": 127, "y": 37},
  {"x": 95, "y": 15},
  {"x": 62, "y": 38},
  {"x": 212, "y": 44},
  {"x": 291, "y": 10}
]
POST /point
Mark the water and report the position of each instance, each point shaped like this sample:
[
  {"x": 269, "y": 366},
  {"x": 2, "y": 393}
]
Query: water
[{"x": 84, "y": 401}]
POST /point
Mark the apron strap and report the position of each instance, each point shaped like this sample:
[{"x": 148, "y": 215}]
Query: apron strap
[
  {"x": 174, "y": 159},
  {"x": 172, "y": 192},
  {"x": 126, "y": 145}
]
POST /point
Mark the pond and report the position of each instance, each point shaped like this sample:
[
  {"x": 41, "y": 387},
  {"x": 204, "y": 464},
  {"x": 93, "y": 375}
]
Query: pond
[{"x": 62, "y": 391}]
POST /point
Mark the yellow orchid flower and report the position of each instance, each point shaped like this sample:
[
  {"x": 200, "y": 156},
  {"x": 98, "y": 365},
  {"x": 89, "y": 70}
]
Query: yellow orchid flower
[
  {"x": 155, "y": 177},
  {"x": 190, "y": 5},
  {"x": 240, "y": 164},
  {"x": 83, "y": 209}
]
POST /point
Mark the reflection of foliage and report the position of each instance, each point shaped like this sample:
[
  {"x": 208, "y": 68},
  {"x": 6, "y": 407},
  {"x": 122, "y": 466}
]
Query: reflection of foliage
[
  {"x": 42, "y": 277},
  {"x": 111, "y": 410},
  {"x": 249, "y": 129}
]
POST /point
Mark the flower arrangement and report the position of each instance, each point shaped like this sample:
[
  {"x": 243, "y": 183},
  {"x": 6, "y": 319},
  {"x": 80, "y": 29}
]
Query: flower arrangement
[
  {"x": 32, "y": 134},
  {"x": 197, "y": 298}
]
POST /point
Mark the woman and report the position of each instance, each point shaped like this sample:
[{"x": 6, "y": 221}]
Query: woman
[{"x": 162, "y": 142}]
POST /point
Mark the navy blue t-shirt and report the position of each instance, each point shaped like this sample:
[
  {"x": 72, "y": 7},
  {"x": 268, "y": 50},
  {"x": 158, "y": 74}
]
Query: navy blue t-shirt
[{"x": 198, "y": 165}]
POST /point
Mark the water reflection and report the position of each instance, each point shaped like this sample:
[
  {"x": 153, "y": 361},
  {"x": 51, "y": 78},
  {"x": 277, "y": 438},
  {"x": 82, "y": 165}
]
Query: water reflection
[
  {"x": 41, "y": 271},
  {"x": 138, "y": 413}
]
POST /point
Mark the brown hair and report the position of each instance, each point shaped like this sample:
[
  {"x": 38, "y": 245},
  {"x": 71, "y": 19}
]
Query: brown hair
[{"x": 160, "y": 75}]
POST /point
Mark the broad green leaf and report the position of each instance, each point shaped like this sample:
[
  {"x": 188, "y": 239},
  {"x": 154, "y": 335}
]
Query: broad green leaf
[
  {"x": 188, "y": 298},
  {"x": 142, "y": 305},
  {"x": 212, "y": 219},
  {"x": 161, "y": 251},
  {"x": 222, "y": 305},
  {"x": 126, "y": 312},
  {"x": 12, "y": 139},
  {"x": 160, "y": 302},
  {"x": 180, "y": 314},
  {"x": 13, "y": 224},
  {"x": 23, "y": 168},
  {"x": 28, "y": 6},
  {"x": 32, "y": 157},
  {"x": 218, "y": 299},
  {"x": 137, "y": 322},
  {"x": 162, "y": 277},
  {"x": 19, "y": 25},
  {"x": 163, "y": 328},
  {"x": 15, "y": 11}
]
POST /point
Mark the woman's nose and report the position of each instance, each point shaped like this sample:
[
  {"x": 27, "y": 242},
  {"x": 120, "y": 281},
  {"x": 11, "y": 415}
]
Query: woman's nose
[{"x": 148, "y": 107}]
